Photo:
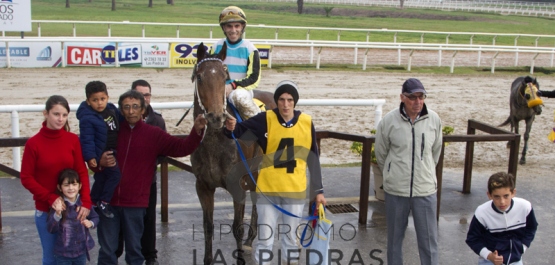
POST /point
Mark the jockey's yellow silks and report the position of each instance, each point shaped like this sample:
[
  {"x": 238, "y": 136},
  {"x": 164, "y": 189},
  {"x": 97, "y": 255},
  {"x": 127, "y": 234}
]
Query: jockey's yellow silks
[{"x": 283, "y": 169}]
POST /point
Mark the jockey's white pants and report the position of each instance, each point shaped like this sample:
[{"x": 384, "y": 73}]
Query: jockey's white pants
[
  {"x": 273, "y": 223},
  {"x": 242, "y": 100}
]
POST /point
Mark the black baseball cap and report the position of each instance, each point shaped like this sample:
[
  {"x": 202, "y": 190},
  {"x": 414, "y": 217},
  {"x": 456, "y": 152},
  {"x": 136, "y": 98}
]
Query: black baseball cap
[{"x": 413, "y": 85}]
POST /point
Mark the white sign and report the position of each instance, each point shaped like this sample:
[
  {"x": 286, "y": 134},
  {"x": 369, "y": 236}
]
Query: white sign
[
  {"x": 35, "y": 54},
  {"x": 15, "y": 15},
  {"x": 156, "y": 55}
]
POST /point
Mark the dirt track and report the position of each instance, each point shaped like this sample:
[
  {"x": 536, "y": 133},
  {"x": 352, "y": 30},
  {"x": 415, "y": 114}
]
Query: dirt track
[{"x": 456, "y": 98}]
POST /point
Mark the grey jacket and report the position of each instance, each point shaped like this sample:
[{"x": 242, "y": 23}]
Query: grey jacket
[{"x": 408, "y": 153}]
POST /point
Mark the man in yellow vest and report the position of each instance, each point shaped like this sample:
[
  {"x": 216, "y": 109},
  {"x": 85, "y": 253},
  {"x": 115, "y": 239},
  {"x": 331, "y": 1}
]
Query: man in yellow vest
[{"x": 288, "y": 140}]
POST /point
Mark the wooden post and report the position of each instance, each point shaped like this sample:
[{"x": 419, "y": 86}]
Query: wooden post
[
  {"x": 364, "y": 181},
  {"x": 0, "y": 211},
  {"x": 469, "y": 157},
  {"x": 513, "y": 155},
  {"x": 439, "y": 176},
  {"x": 164, "y": 189}
]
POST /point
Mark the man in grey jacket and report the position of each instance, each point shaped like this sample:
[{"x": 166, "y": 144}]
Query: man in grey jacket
[{"x": 408, "y": 146}]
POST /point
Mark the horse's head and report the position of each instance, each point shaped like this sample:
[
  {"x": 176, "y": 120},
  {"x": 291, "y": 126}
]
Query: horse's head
[
  {"x": 209, "y": 75},
  {"x": 529, "y": 90}
]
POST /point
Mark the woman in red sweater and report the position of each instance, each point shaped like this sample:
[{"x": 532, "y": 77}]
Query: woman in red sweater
[{"x": 46, "y": 154}]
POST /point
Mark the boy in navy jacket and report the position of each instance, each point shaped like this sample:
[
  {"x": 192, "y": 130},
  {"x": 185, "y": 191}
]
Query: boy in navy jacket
[
  {"x": 98, "y": 132},
  {"x": 504, "y": 227}
]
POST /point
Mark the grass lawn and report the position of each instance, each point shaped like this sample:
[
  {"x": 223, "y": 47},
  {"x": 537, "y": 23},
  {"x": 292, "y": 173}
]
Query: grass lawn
[{"x": 285, "y": 14}]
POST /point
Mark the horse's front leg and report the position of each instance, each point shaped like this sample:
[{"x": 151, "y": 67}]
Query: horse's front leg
[
  {"x": 253, "y": 231},
  {"x": 238, "y": 229},
  {"x": 206, "y": 197},
  {"x": 529, "y": 122}
]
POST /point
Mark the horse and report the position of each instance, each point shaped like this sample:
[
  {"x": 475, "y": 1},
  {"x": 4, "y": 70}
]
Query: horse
[
  {"x": 525, "y": 105},
  {"x": 216, "y": 163}
]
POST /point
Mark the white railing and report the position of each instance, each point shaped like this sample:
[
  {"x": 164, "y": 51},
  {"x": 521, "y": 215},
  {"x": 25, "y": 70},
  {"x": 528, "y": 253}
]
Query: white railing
[
  {"x": 411, "y": 47},
  {"x": 15, "y": 109},
  {"x": 503, "y": 7},
  {"x": 276, "y": 29}
]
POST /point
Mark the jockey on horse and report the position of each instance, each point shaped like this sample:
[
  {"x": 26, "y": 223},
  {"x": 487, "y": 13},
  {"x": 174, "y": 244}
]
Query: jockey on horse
[{"x": 243, "y": 61}]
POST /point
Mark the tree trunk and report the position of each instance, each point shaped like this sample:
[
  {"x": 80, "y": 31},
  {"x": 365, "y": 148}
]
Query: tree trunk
[
  {"x": 402, "y": 3},
  {"x": 67, "y": 3},
  {"x": 149, "y": 3},
  {"x": 113, "y": 5},
  {"x": 170, "y": 2},
  {"x": 300, "y": 6}
]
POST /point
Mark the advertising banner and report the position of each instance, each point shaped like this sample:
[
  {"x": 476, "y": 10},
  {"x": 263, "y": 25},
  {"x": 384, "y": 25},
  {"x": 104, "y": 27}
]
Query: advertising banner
[
  {"x": 264, "y": 52},
  {"x": 15, "y": 15},
  {"x": 86, "y": 54},
  {"x": 31, "y": 54},
  {"x": 184, "y": 55},
  {"x": 155, "y": 55}
]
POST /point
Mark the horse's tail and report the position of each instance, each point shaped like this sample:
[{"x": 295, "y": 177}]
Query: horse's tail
[{"x": 508, "y": 121}]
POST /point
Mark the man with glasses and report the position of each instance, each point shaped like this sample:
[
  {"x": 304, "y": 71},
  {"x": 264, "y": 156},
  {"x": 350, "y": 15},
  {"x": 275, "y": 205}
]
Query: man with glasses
[
  {"x": 408, "y": 145},
  {"x": 139, "y": 146},
  {"x": 148, "y": 241}
]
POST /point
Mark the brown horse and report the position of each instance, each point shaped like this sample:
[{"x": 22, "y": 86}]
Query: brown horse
[
  {"x": 525, "y": 105},
  {"x": 216, "y": 162}
]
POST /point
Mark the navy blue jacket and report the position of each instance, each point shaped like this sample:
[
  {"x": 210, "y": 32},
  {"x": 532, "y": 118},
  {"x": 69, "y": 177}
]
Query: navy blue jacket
[
  {"x": 509, "y": 232},
  {"x": 93, "y": 133}
]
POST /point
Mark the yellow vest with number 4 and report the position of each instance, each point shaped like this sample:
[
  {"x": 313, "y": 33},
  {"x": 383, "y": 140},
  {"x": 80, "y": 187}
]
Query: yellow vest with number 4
[{"x": 283, "y": 169}]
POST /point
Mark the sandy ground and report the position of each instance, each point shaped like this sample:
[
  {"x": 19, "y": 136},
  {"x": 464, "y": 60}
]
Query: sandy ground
[{"x": 456, "y": 98}]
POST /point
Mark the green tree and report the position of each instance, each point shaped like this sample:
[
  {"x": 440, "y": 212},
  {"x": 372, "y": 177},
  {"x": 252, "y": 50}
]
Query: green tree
[{"x": 328, "y": 11}]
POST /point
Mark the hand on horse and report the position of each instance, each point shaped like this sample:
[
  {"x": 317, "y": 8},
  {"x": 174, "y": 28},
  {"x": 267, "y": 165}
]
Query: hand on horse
[
  {"x": 200, "y": 124},
  {"x": 230, "y": 123}
]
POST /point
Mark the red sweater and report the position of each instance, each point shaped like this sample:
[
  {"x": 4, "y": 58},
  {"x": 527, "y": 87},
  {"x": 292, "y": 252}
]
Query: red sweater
[
  {"x": 46, "y": 154},
  {"x": 137, "y": 150}
]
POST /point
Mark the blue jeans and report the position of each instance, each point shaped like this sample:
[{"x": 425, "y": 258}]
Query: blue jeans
[
  {"x": 47, "y": 239},
  {"x": 81, "y": 260},
  {"x": 131, "y": 221}
]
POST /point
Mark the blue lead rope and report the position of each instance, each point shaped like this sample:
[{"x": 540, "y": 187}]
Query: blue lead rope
[
  {"x": 308, "y": 218},
  {"x": 236, "y": 112}
]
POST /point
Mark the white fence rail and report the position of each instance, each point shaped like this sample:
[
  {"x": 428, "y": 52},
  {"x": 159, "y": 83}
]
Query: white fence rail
[
  {"x": 503, "y": 7},
  {"x": 319, "y": 45},
  {"x": 15, "y": 109}
]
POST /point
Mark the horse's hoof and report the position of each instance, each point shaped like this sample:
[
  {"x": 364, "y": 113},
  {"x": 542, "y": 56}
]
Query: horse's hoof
[{"x": 247, "y": 248}]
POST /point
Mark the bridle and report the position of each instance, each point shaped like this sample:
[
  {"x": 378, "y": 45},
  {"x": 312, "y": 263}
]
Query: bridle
[{"x": 196, "y": 84}]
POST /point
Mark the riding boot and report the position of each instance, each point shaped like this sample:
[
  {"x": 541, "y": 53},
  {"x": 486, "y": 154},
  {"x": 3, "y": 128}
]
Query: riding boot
[{"x": 242, "y": 99}]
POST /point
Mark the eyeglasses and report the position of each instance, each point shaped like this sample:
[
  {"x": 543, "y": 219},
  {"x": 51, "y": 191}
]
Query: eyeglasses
[
  {"x": 129, "y": 107},
  {"x": 147, "y": 95},
  {"x": 414, "y": 97}
]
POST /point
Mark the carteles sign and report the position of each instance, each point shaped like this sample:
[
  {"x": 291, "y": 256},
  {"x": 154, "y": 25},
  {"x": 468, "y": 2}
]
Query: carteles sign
[{"x": 15, "y": 15}]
